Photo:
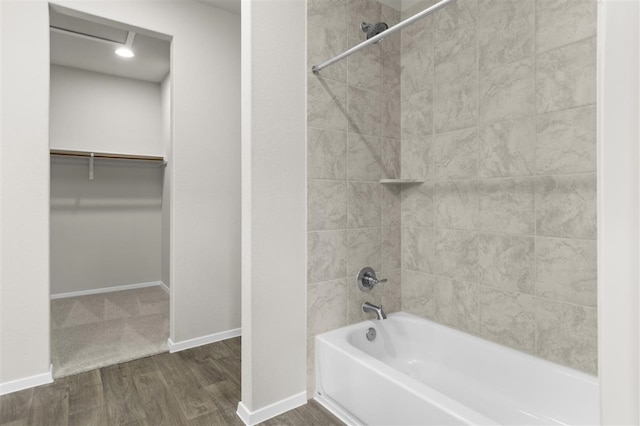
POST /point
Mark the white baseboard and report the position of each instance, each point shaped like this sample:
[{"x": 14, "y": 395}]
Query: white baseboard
[
  {"x": 251, "y": 418},
  {"x": 110, "y": 289},
  {"x": 27, "y": 382},
  {"x": 337, "y": 411},
  {"x": 204, "y": 340},
  {"x": 164, "y": 287}
]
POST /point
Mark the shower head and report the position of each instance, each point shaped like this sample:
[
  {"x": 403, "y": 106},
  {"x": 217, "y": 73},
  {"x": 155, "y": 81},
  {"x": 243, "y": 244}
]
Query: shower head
[{"x": 373, "y": 29}]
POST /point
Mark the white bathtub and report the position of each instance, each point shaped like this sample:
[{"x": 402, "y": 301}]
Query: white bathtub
[{"x": 417, "y": 372}]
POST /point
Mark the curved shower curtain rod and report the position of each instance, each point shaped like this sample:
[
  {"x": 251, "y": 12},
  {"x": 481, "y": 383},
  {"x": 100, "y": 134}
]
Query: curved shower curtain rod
[{"x": 375, "y": 39}]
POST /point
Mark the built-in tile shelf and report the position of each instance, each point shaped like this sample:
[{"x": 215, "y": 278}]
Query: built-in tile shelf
[{"x": 400, "y": 181}]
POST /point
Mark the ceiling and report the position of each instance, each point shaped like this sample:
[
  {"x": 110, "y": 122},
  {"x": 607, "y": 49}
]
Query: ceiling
[
  {"x": 232, "y": 6},
  {"x": 89, "y": 44}
]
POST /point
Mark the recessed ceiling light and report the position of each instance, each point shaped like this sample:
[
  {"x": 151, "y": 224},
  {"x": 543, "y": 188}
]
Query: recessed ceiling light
[{"x": 125, "y": 52}]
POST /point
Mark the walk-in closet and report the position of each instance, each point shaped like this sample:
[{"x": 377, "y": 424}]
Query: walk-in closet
[{"x": 110, "y": 144}]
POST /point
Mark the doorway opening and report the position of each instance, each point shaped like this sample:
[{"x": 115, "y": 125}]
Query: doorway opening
[{"x": 110, "y": 142}]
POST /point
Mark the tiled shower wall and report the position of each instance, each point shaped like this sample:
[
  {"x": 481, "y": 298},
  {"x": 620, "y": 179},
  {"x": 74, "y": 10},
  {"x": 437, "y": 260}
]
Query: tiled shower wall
[
  {"x": 353, "y": 141},
  {"x": 494, "y": 101},
  {"x": 499, "y": 119}
]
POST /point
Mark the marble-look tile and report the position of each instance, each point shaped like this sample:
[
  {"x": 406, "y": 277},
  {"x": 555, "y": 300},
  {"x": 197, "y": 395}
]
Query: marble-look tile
[
  {"x": 326, "y": 104},
  {"x": 416, "y": 7},
  {"x": 391, "y": 72},
  {"x": 392, "y": 291},
  {"x": 567, "y": 334},
  {"x": 566, "y": 270},
  {"x": 417, "y": 114},
  {"x": 360, "y": 11},
  {"x": 414, "y": 35},
  {"x": 326, "y": 205},
  {"x": 507, "y": 262},
  {"x": 365, "y": 67},
  {"x": 327, "y": 35},
  {"x": 418, "y": 205},
  {"x": 391, "y": 205},
  {"x": 417, "y": 68},
  {"x": 566, "y": 76},
  {"x": 364, "y": 158},
  {"x": 417, "y": 162},
  {"x": 507, "y": 148},
  {"x": 505, "y": 31},
  {"x": 457, "y": 304},
  {"x": 327, "y": 304},
  {"x": 391, "y": 116},
  {"x": 508, "y": 318},
  {"x": 391, "y": 162},
  {"x": 364, "y": 250},
  {"x": 455, "y": 155},
  {"x": 326, "y": 154},
  {"x": 391, "y": 247},
  {"x": 563, "y": 22},
  {"x": 566, "y": 206},
  {"x": 507, "y": 92},
  {"x": 391, "y": 17},
  {"x": 327, "y": 255},
  {"x": 454, "y": 104},
  {"x": 356, "y": 297},
  {"x": 455, "y": 40},
  {"x": 418, "y": 249},
  {"x": 365, "y": 111},
  {"x": 363, "y": 205},
  {"x": 566, "y": 141},
  {"x": 456, "y": 204},
  {"x": 456, "y": 254},
  {"x": 507, "y": 205},
  {"x": 418, "y": 297}
]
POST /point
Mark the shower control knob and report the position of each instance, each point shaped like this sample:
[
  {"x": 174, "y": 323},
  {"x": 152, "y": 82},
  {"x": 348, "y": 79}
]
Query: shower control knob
[{"x": 367, "y": 279}]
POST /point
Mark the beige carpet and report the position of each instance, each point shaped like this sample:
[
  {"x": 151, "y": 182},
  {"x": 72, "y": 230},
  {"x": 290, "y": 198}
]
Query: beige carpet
[{"x": 94, "y": 331}]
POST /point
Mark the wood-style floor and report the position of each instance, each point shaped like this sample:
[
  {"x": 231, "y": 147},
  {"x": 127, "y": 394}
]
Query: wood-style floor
[{"x": 199, "y": 386}]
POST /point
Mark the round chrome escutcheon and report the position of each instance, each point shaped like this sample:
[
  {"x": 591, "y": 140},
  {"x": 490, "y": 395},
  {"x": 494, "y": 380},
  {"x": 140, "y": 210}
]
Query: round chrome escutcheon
[{"x": 371, "y": 334}]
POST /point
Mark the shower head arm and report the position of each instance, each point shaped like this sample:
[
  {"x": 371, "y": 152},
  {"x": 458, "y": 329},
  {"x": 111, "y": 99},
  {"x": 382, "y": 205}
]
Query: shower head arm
[{"x": 377, "y": 38}]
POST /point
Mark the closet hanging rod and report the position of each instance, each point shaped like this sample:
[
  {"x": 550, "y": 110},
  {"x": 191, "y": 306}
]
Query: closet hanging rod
[
  {"x": 316, "y": 68},
  {"x": 112, "y": 156}
]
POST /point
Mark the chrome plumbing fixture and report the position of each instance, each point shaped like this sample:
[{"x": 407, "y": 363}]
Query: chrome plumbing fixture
[
  {"x": 373, "y": 30},
  {"x": 371, "y": 334},
  {"x": 367, "y": 279},
  {"x": 381, "y": 33},
  {"x": 370, "y": 307}
]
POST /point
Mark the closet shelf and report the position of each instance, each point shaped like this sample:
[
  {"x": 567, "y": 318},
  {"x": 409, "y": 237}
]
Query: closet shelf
[
  {"x": 400, "y": 181},
  {"x": 112, "y": 156}
]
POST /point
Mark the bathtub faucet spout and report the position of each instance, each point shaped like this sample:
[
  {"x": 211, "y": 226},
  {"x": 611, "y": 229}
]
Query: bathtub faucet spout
[{"x": 370, "y": 307}]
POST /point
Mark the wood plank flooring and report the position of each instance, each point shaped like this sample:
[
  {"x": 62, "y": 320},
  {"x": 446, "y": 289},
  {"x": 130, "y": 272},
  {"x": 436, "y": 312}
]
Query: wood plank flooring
[{"x": 199, "y": 386}]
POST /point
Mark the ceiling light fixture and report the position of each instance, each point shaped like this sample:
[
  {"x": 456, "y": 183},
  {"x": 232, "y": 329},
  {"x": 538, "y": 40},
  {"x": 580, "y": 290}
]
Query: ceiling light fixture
[{"x": 125, "y": 52}]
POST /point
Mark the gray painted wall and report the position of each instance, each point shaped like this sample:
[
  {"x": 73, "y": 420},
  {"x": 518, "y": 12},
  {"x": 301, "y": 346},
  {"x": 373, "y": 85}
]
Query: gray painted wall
[{"x": 104, "y": 232}]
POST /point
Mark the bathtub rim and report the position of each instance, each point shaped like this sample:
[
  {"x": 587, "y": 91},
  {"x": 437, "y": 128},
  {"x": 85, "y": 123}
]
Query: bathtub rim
[{"x": 331, "y": 337}]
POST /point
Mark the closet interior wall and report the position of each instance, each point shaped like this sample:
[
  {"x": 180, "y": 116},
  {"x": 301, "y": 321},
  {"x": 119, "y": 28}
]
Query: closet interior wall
[{"x": 106, "y": 232}]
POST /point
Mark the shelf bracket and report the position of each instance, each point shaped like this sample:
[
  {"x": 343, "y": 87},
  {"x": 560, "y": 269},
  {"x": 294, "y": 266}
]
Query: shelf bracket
[{"x": 91, "y": 167}]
